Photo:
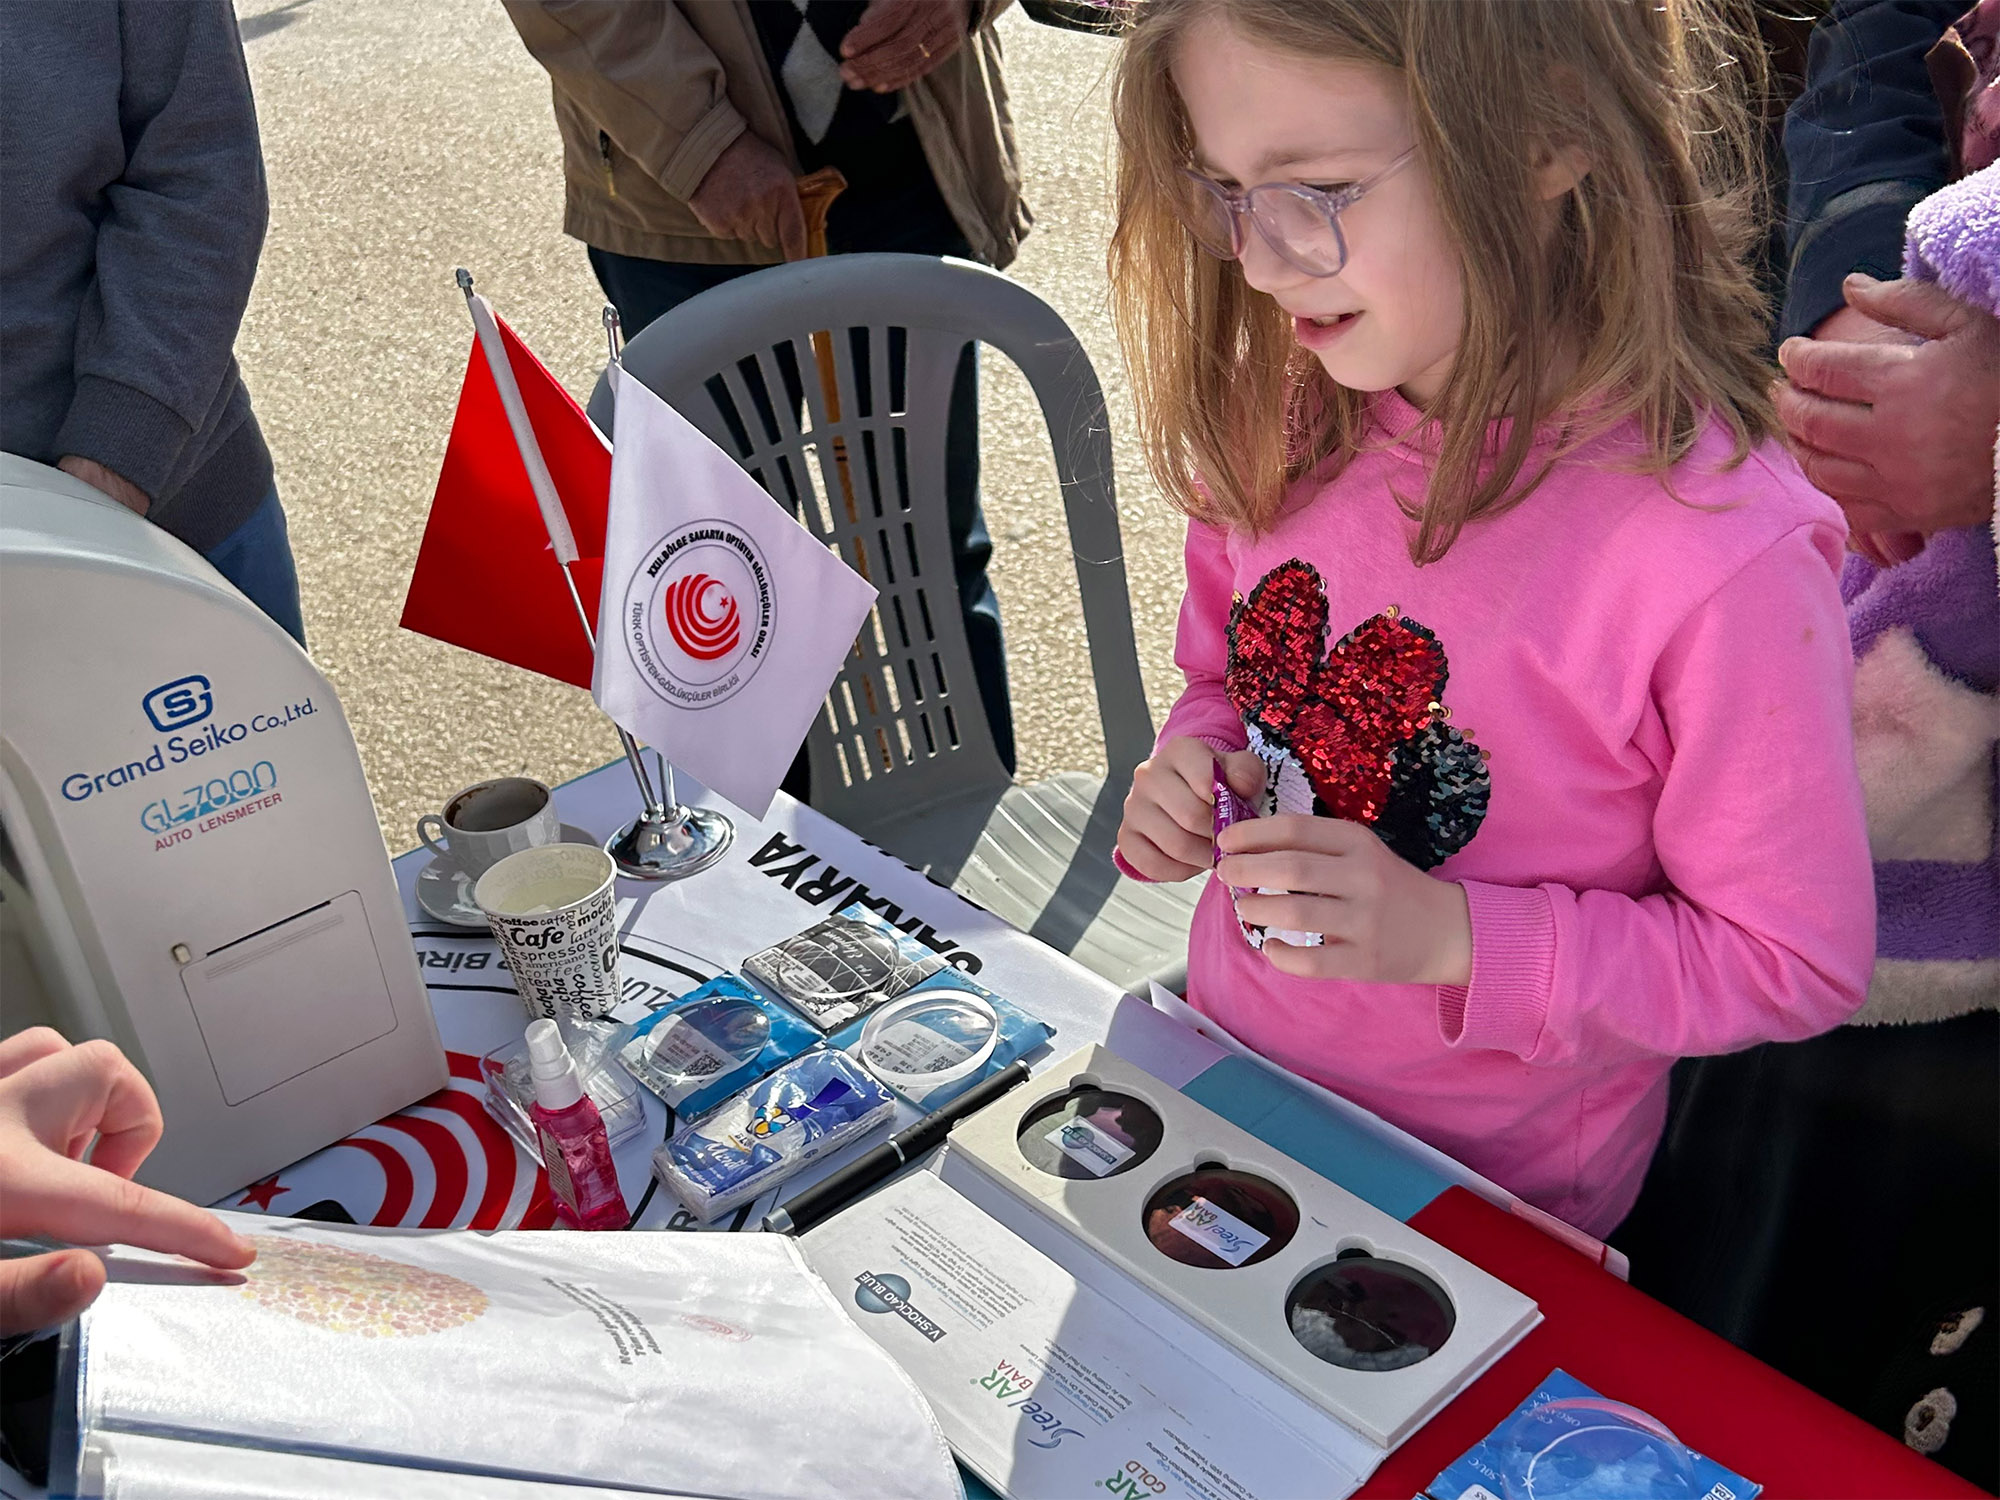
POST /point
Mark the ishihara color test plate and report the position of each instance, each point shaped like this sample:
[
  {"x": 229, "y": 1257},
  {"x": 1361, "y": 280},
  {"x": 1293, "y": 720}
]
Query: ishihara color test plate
[{"x": 1151, "y": 1198}]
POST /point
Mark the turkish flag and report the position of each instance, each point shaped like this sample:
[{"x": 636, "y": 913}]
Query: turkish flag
[{"x": 487, "y": 578}]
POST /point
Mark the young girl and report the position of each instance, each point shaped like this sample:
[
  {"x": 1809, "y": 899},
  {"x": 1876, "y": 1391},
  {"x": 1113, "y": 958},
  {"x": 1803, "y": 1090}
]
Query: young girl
[{"x": 1502, "y": 597}]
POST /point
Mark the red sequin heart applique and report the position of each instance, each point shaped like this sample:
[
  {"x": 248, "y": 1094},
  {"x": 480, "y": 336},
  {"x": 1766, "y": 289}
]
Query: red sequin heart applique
[
  {"x": 1375, "y": 689},
  {"x": 1365, "y": 722}
]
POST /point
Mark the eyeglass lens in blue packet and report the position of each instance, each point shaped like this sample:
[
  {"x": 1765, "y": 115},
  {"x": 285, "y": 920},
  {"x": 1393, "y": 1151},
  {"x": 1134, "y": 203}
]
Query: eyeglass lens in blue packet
[
  {"x": 814, "y": 1104},
  {"x": 842, "y": 968},
  {"x": 1566, "y": 1442},
  {"x": 934, "y": 1031},
  {"x": 694, "y": 1052}
]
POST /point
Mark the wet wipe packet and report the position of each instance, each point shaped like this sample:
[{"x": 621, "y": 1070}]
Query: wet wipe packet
[{"x": 814, "y": 1104}]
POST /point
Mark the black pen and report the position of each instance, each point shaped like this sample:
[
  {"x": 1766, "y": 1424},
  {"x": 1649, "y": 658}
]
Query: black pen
[{"x": 833, "y": 1193}]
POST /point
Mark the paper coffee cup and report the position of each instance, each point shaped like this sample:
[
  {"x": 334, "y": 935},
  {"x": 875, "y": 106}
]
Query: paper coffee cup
[{"x": 554, "y": 912}]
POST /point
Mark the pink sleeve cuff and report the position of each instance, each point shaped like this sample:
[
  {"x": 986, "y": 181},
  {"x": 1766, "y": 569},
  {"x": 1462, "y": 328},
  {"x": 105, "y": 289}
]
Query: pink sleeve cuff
[
  {"x": 1513, "y": 971},
  {"x": 1221, "y": 731},
  {"x": 1118, "y": 859}
]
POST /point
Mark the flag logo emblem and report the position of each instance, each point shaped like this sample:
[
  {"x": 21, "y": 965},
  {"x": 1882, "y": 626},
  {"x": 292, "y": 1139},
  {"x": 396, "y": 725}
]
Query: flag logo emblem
[
  {"x": 701, "y": 634},
  {"x": 697, "y": 613}
]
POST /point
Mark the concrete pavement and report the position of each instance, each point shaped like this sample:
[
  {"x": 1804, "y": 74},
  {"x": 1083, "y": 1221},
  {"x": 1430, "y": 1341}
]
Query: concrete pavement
[{"x": 404, "y": 140}]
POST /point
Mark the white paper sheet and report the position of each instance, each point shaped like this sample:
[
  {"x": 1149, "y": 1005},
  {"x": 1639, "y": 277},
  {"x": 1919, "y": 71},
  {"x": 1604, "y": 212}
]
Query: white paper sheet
[
  {"x": 709, "y": 1365},
  {"x": 1045, "y": 1389},
  {"x": 138, "y": 1466}
]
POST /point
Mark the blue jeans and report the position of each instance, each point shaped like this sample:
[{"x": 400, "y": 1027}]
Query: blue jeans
[
  {"x": 641, "y": 290},
  {"x": 257, "y": 558}
]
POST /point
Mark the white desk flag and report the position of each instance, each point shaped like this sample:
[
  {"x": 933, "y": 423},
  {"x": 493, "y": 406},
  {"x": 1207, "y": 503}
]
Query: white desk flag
[{"x": 723, "y": 621}]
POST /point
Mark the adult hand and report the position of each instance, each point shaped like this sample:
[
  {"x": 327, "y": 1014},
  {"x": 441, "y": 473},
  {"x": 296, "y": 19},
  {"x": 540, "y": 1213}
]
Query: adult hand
[
  {"x": 1384, "y": 920},
  {"x": 55, "y": 1100},
  {"x": 896, "y": 42},
  {"x": 1900, "y": 434},
  {"x": 1168, "y": 832},
  {"x": 750, "y": 194},
  {"x": 1852, "y": 326},
  {"x": 114, "y": 484}
]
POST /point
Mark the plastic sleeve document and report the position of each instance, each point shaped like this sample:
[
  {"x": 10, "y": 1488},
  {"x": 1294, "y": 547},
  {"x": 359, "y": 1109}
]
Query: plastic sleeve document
[
  {"x": 674, "y": 1364},
  {"x": 1044, "y": 1388}
]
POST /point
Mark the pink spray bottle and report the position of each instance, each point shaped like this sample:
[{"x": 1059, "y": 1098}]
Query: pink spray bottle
[{"x": 574, "y": 1147}]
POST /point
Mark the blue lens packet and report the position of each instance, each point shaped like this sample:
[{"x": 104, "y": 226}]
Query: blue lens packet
[
  {"x": 1566, "y": 1442},
  {"x": 814, "y": 1104},
  {"x": 694, "y": 1052},
  {"x": 838, "y": 970},
  {"x": 941, "y": 1038}
]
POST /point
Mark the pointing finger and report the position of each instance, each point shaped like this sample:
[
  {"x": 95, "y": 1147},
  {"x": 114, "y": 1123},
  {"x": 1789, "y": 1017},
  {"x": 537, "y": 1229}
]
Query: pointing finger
[{"x": 72, "y": 1201}]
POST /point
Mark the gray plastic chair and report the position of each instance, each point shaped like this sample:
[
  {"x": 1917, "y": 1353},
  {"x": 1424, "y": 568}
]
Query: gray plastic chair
[{"x": 902, "y": 753}]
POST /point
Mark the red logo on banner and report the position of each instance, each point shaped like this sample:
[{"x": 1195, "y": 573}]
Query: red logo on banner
[{"x": 704, "y": 636}]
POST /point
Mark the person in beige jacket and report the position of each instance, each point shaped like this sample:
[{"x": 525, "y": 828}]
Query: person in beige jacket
[{"x": 686, "y": 123}]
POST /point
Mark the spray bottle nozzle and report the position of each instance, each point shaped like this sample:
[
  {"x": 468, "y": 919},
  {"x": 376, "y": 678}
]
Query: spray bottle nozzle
[{"x": 556, "y": 1081}]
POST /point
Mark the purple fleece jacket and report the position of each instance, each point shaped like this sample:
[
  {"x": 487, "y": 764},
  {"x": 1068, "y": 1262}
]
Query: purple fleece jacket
[{"x": 1926, "y": 640}]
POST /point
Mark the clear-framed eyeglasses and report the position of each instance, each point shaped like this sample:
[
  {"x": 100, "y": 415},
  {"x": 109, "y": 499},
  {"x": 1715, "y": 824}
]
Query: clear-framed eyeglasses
[{"x": 1301, "y": 224}]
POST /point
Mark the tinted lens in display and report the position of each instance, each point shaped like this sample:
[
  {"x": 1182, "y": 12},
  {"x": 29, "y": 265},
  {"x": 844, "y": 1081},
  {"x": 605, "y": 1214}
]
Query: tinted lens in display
[
  {"x": 1220, "y": 1219},
  {"x": 1089, "y": 1133},
  {"x": 1364, "y": 1313}
]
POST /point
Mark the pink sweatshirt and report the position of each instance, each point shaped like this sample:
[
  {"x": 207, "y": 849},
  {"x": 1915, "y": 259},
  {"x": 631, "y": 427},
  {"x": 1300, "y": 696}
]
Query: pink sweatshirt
[{"x": 1664, "y": 854}]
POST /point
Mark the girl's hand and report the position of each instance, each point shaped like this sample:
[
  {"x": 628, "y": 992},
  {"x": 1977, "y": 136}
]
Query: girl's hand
[
  {"x": 1384, "y": 920},
  {"x": 1169, "y": 827}
]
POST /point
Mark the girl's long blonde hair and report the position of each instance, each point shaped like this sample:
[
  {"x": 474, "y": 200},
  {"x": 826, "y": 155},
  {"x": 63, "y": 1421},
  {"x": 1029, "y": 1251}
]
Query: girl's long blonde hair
[{"x": 1640, "y": 305}]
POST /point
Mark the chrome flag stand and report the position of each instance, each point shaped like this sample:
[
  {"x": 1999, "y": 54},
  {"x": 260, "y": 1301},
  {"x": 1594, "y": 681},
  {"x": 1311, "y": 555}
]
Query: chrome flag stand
[{"x": 668, "y": 840}]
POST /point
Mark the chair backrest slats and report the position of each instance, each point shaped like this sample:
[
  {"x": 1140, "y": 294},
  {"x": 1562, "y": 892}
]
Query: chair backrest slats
[{"x": 903, "y": 726}]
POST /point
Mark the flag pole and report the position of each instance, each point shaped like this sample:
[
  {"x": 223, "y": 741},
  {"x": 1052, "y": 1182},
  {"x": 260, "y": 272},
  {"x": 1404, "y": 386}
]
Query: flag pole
[
  {"x": 554, "y": 518},
  {"x": 663, "y": 842}
]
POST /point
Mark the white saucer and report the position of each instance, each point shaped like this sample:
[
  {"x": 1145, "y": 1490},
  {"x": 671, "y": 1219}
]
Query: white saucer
[{"x": 445, "y": 891}]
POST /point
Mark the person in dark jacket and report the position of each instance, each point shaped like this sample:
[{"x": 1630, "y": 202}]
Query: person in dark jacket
[
  {"x": 1864, "y": 142},
  {"x": 132, "y": 212}
]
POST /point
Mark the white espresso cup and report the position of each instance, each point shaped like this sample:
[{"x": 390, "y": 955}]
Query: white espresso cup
[
  {"x": 484, "y": 823},
  {"x": 553, "y": 910}
]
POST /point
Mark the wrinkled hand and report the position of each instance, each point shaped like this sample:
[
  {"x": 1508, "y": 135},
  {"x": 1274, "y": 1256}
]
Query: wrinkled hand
[
  {"x": 750, "y": 194},
  {"x": 1850, "y": 325},
  {"x": 1168, "y": 832},
  {"x": 1384, "y": 920},
  {"x": 896, "y": 42},
  {"x": 55, "y": 1100},
  {"x": 1900, "y": 434},
  {"x": 114, "y": 484}
]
